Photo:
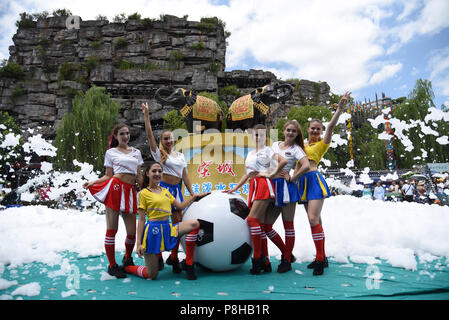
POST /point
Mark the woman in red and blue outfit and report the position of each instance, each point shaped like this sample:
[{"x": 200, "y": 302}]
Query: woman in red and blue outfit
[
  {"x": 313, "y": 188},
  {"x": 261, "y": 165},
  {"x": 116, "y": 190}
]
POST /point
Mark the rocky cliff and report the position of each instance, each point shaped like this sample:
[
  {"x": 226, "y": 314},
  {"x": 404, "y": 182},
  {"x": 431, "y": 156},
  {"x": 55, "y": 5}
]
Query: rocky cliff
[{"x": 62, "y": 55}]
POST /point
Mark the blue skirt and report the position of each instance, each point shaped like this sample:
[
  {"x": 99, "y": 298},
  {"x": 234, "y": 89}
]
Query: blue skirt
[
  {"x": 286, "y": 192},
  {"x": 312, "y": 186},
  {"x": 175, "y": 190},
  {"x": 159, "y": 236}
]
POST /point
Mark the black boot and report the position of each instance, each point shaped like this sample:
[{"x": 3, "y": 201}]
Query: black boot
[
  {"x": 116, "y": 271},
  {"x": 175, "y": 264},
  {"x": 312, "y": 264},
  {"x": 258, "y": 265},
  {"x": 190, "y": 272},
  {"x": 267, "y": 266},
  {"x": 318, "y": 270},
  {"x": 284, "y": 266},
  {"x": 127, "y": 262}
]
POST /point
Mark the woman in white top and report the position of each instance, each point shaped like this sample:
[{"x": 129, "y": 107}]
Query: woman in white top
[
  {"x": 116, "y": 190},
  {"x": 174, "y": 172},
  {"x": 287, "y": 193},
  {"x": 260, "y": 164}
]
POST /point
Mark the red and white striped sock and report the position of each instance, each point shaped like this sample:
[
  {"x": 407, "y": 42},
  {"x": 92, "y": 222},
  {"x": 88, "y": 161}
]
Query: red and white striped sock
[
  {"x": 129, "y": 245},
  {"x": 264, "y": 242},
  {"x": 289, "y": 239},
  {"x": 255, "y": 232},
  {"x": 318, "y": 239},
  {"x": 139, "y": 271},
  {"x": 274, "y": 237},
  {"x": 190, "y": 245},
  {"x": 109, "y": 246}
]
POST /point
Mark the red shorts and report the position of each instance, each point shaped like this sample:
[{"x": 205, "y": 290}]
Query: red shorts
[
  {"x": 260, "y": 189},
  {"x": 116, "y": 194}
]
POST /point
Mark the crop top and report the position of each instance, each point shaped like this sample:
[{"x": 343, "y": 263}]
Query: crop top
[
  {"x": 316, "y": 151},
  {"x": 156, "y": 205},
  {"x": 261, "y": 161},
  {"x": 291, "y": 154},
  {"x": 123, "y": 162},
  {"x": 173, "y": 165}
]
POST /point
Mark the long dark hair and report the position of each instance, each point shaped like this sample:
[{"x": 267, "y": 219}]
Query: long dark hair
[
  {"x": 146, "y": 180},
  {"x": 112, "y": 141}
]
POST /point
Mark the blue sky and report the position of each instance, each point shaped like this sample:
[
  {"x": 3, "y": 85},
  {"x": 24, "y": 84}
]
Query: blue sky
[{"x": 366, "y": 47}]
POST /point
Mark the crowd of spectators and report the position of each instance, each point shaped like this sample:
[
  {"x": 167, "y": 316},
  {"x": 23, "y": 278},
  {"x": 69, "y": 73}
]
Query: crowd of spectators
[{"x": 435, "y": 190}]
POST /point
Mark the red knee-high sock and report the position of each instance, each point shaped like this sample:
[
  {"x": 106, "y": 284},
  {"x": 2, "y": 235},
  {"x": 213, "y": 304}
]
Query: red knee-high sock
[
  {"x": 139, "y": 271},
  {"x": 255, "y": 232},
  {"x": 264, "y": 242},
  {"x": 129, "y": 245},
  {"x": 174, "y": 252},
  {"x": 274, "y": 237},
  {"x": 109, "y": 246},
  {"x": 190, "y": 245},
  {"x": 318, "y": 239},
  {"x": 289, "y": 239}
]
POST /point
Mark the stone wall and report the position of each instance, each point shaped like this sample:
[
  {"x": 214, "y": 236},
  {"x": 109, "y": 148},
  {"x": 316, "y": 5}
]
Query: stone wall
[{"x": 131, "y": 60}]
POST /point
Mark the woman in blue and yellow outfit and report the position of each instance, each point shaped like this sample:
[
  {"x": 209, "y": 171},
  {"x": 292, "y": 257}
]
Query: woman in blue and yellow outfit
[
  {"x": 158, "y": 234},
  {"x": 313, "y": 188}
]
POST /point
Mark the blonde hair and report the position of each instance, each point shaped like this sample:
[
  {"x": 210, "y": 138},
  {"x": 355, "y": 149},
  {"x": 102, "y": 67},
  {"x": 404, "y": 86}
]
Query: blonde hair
[{"x": 164, "y": 152}]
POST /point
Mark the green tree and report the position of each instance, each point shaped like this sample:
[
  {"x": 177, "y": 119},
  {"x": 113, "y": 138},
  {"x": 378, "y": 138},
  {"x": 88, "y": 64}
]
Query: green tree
[
  {"x": 368, "y": 150},
  {"x": 83, "y": 133},
  {"x": 9, "y": 153},
  {"x": 415, "y": 108}
]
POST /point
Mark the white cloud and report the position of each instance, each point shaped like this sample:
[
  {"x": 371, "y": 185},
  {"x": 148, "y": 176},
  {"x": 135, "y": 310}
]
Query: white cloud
[
  {"x": 438, "y": 66},
  {"x": 432, "y": 19},
  {"x": 340, "y": 42},
  {"x": 385, "y": 73}
]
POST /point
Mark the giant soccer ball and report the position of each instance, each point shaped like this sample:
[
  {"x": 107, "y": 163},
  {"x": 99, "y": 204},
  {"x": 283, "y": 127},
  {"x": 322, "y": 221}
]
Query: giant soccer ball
[{"x": 224, "y": 241}]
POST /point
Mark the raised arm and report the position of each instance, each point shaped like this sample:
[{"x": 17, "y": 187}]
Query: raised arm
[
  {"x": 330, "y": 127},
  {"x": 148, "y": 130}
]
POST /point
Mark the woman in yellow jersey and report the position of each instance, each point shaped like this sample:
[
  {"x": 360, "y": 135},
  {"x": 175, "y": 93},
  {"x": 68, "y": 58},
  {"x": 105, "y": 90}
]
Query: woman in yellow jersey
[
  {"x": 312, "y": 186},
  {"x": 157, "y": 234}
]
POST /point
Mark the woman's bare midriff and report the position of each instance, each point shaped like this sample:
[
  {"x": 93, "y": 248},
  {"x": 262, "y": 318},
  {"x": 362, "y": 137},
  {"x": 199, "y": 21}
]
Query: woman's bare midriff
[
  {"x": 168, "y": 178},
  {"x": 128, "y": 178}
]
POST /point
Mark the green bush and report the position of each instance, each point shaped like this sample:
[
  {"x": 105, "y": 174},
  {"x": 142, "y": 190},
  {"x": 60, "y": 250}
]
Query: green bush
[
  {"x": 96, "y": 44},
  {"x": 91, "y": 63},
  {"x": 197, "y": 46},
  {"x": 26, "y": 21},
  {"x": 67, "y": 71},
  {"x": 120, "y": 43},
  {"x": 174, "y": 120},
  {"x": 231, "y": 90},
  {"x": 134, "y": 16},
  {"x": 11, "y": 70}
]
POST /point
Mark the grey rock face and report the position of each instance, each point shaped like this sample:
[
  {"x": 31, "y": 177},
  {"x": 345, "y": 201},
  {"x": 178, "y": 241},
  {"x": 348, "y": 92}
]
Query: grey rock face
[{"x": 131, "y": 60}]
